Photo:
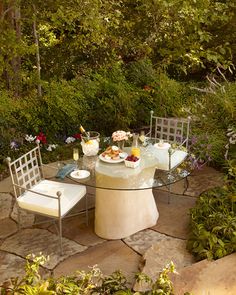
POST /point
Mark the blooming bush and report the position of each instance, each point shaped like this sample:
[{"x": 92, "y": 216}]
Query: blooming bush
[
  {"x": 231, "y": 144},
  {"x": 200, "y": 151}
]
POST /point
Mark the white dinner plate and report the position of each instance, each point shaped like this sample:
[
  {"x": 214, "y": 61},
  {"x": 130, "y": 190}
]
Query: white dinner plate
[
  {"x": 80, "y": 174},
  {"x": 110, "y": 160}
]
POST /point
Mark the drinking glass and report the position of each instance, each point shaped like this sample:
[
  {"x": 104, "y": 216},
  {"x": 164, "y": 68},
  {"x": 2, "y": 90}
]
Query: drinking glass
[
  {"x": 59, "y": 165},
  {"x": 76, "y": 156}
]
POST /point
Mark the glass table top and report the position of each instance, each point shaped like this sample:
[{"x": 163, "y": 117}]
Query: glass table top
[{"x": 116, "y": 176}]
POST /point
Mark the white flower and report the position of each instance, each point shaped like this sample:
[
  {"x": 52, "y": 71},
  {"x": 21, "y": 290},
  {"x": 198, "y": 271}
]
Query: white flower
[
  {"x": 70, "y": 139},
  {"x": 51, "y": 147},
  {"x": 30, "y": 138},
  {"x": 232, "y": 141},
  {"x": 13, "y": 145},
  {"x": 230, "y": 133}
]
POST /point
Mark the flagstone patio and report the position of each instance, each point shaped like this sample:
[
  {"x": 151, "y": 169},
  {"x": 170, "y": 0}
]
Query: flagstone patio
[{"x": 148, "y": 250}]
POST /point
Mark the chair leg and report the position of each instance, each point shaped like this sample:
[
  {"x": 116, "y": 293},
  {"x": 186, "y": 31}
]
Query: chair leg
[
  {"x": 169, "y": 186},
  {"x": 169, "y": 192},
  {"x": 86, "y": 208},
  {"x": 60, "y": 235},
  {"x": 18, "y": 218},
  {"x": 186, "y": 185}
]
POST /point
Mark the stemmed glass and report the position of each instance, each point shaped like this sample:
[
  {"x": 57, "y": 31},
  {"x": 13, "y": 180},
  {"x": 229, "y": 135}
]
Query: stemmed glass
[
  {"x": 58, "y": 163},
  {"x": 76, "y": 156}
]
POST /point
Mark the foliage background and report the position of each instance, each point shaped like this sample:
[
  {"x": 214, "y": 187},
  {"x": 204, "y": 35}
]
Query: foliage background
[{"x": 106, "y": 64}]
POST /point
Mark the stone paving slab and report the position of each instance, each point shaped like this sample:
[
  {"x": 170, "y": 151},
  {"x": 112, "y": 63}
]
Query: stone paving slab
[
  {"x": 207, "y": 277},
  {"x": 7, "y": 228},
  {"x": 174, "y": 217},
  {"x": 143, "y": 240},
  {"x": 108, "y": 256},
  {"x": 6, "y": 203},
  {"x": 6, "y": 185},
  {"x": 11, "y": 266},
  {"x": 199, "y": 181},
  {"x": 75, "y": 228},
  {"x": 26, "y": 218},
  {"x": 161, "y": 254},
  {"x": 34, "y": 241}
]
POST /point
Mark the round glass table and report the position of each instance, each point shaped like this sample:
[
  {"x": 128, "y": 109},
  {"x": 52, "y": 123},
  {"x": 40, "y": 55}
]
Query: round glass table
[{"x": 124, "y": 201}]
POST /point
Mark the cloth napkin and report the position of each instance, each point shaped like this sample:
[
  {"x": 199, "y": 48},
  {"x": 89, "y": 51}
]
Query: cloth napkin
[{"x": 67, "y": 169}]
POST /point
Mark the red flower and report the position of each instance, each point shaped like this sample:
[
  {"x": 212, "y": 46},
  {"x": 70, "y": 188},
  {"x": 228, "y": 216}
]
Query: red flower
[
  {"x": 147, "y": 88},
  {"x": 42, "y": 138},
  {"x": 77, "y": 136}
]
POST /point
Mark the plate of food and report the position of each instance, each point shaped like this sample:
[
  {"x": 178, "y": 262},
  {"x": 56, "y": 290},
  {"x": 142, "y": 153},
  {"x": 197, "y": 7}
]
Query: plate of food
[
  {"x": 80, "y": 174},
  {"x": 113, "y": 154}
]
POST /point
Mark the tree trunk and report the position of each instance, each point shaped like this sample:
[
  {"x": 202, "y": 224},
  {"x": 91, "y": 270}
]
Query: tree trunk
[
  {"x": 36, "y": 41},
  {"x": 16, "y": 61},
  {"x": 10, "y": 18}
]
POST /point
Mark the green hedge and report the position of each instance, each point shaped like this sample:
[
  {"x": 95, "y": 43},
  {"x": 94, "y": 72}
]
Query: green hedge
[{"x": 117, "y": 97}]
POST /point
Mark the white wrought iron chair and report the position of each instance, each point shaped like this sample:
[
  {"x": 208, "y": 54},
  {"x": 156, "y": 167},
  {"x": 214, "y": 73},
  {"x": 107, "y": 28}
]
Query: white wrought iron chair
[
  {"x": 174, "y": 131},
  {"x": 40, "y": 196}
]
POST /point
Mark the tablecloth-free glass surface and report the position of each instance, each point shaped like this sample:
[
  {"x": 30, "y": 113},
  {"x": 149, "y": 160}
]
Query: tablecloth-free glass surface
[{"x": 116, "y": 176}]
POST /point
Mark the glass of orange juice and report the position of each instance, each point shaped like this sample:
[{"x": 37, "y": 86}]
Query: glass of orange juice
[{"x": 135, "y": 151}]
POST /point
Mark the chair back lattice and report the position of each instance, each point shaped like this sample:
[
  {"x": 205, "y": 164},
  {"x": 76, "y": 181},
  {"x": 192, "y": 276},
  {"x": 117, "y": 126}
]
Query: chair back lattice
[
  {"x": 174, "y": 130},
  {"x": 26, "y": 170}
]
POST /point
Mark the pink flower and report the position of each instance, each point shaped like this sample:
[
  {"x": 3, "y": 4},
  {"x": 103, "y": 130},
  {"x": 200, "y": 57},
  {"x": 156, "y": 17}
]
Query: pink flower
[{"x": 120, "y": 135}]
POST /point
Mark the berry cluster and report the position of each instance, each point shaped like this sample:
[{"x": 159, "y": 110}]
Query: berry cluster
[{"x": 132, "y": 158}]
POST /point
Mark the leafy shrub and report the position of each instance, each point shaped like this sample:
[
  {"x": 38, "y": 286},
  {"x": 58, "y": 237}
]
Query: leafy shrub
[
  {"x": 171, "y": 96},
  {"x": 91, "y": 282},
  {"x": 208, "y": 147},
  {"x": 140, "y": 73},
  {"x": 213, "y": 113},
  {"x": 115, "y": 97},
  {"x": 213, "y": 224},
  {"x": 59, "y": 111},
  {"x": 111, "y": 100}
]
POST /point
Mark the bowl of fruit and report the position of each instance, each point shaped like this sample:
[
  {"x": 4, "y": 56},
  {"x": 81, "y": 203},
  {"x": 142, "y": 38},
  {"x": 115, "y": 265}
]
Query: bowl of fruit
[{"x": 132, "y": 161}]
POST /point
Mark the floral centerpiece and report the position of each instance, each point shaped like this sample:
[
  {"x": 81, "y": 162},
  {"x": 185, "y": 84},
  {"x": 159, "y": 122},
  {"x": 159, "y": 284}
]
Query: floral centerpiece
[{"x": 120, "y": 137}]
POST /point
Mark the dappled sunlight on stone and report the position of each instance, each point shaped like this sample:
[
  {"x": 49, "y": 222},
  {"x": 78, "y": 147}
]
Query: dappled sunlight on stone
[{"x": 39, "y": 240}]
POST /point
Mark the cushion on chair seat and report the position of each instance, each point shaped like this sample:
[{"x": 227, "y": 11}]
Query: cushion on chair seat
[
  {"x": 177, "y": 157},
  {"x": 70, "y": 195}
]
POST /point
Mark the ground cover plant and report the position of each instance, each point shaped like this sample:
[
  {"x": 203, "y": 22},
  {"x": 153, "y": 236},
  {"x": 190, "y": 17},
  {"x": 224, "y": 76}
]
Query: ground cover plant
[
  {"x": 213, "y": 224},
  {"x": 92, "y": 282}
]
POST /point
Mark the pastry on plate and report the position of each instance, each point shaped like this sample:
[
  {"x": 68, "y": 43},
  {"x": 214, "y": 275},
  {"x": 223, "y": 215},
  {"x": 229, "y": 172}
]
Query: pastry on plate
[{"x": 112, "y": 153}]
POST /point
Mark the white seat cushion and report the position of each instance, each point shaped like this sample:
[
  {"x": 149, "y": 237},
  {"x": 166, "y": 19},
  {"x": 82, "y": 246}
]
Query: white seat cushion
[
  {"x": 176, "y": 158},
  {"x": 70, "y": 195}
]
